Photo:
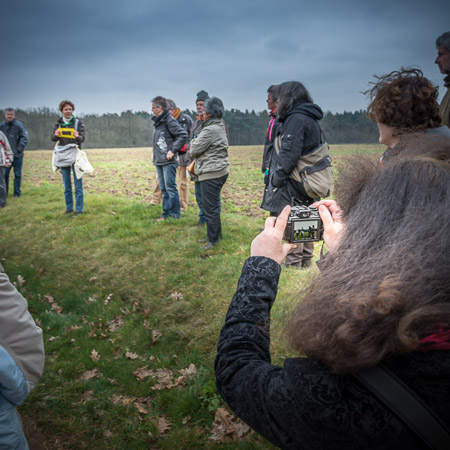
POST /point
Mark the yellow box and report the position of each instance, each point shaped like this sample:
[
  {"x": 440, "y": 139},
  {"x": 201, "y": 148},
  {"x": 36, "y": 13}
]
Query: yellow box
[{"x": 66, "y": 132}]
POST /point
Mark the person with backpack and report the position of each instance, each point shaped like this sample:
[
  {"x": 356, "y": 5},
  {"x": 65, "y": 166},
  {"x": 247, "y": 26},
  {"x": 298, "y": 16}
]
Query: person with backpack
[
  {"x": 69, "y": 133},
  {"x": 297, "y": 152},
  {"x": 169, "y": 137}
]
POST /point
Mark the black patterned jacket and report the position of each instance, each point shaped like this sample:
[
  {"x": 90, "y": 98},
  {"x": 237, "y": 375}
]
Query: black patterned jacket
[{"x": 304, "y": 405}]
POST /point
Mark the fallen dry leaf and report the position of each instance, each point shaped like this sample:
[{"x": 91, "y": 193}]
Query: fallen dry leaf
[
  {"x": 115, "y": 324},
  {"x": 156, "y": 334},
  {"x": 90, "y": 374},
  {"x": 131, "y": 355},
  {"x": 141, "y": 409},
  {"x": 189, "y": 372},
  {"x": 163, "y": 425},
  {"x": 143, "y": 373},
  {"x": 92, "y": 279},
  {"x": 226, "y": 424},
  {"x": 87, "y": 396},
  {"x": 20, "y": 281},
  {"x": 108, "y": 299},
  {"x": 107, "y": 433},
  {"x": 122, "y": 400},
  {"x": 176, "y": 295},
  {"x": 95, "y": 356},
  {"x": 91, "y": 299},
  {"x": 52, "y": 338}
]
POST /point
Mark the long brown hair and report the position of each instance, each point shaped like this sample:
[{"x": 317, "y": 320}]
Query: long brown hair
[{"x": 388, "y": 284}]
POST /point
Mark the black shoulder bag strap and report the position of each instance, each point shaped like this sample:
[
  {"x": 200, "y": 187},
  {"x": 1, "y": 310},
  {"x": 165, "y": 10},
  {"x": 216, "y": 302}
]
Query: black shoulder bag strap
[{"x": 402, "y": 401}]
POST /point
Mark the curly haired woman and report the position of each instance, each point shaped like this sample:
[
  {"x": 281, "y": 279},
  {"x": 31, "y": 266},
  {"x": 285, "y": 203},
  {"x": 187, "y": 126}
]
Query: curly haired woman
[{"x": 404, "y": 105}]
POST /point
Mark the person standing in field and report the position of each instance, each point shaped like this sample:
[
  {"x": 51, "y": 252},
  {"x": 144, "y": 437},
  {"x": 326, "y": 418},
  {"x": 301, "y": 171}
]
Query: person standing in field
[
  {"x": 272, "y": 101},
  {"x": 297, "y": 135},
  {"x": 69, "y": 133},
  {"x": 18, "y": 138},
  {"x": 443, "y": 62},
  {"x": 186, "y": 123},
  {"x": 168, "y": 139},
  {"x": 210, "y": 152},
  {"x": 202, "y": 96},
  {"x": 21, "y": 361},
  {"x": 6, "y": 159}
]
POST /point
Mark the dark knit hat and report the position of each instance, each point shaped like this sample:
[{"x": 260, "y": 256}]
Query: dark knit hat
[{"x": 202, "y": 96}]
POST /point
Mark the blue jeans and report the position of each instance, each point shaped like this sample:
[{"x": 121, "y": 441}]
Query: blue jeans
[
  {"x": 17, "y": 164},
  {"x": 167, "y": 175},
  {"x": 198, "y": 199},
  {"x": 79, "y": 198}
]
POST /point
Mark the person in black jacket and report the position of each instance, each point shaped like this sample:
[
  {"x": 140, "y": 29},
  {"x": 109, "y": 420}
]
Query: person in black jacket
[
  {"x": 383, "y": 295},
  {"x": 18, "y": 138},
  {"x": 186, "y": 123},
  {"x": 169, "y": 137},
  {"x": 297, "y": 134},
  {"x": 70, "y": 122}
]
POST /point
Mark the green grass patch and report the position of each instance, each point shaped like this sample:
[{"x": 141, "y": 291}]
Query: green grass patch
[{"x": 131, "y": 308}]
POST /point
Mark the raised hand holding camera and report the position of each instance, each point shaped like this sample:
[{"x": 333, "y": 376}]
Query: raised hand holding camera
[
  {"x": 269, "y": 242},
  {"x": 333, "y": 225}
]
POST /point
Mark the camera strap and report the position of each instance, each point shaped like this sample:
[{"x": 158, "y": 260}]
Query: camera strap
[{"x": 404, "y": 403}]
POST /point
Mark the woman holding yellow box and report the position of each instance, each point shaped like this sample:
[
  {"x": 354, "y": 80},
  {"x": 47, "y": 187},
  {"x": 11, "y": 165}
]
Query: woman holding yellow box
[{"x": 69, "y": 133}]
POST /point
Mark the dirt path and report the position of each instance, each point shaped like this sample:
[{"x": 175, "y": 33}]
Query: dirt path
[{"x": 35, "y": 437}]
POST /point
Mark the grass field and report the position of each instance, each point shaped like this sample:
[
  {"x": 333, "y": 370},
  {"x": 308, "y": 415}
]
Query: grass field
[{"x": 131, "y": 308}]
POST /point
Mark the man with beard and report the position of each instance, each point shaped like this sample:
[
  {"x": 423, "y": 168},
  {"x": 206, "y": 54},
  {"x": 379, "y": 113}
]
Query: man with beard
[
  {"x": 443, "y": 62},
  {"x": 18, "y": 138}
]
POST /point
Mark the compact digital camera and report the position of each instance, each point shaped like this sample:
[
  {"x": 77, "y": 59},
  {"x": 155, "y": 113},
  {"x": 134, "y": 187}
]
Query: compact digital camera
[{"x": 304, "y": 225}]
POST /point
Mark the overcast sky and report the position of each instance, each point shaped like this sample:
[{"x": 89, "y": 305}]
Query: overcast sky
[{"x": 115, "y": 55}]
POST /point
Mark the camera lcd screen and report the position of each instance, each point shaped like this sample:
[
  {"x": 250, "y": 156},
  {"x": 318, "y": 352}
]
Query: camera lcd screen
[{"x": 305, "y": 225}]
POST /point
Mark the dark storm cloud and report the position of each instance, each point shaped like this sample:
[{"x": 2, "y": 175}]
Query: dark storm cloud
[{"x": 112, "y": 56}]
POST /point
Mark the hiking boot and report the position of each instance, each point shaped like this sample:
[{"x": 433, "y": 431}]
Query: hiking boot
[
  {"x": 209, "y": 246},
  {"x": 69, "y": 211},
  {"x": 77, "y": 213}
]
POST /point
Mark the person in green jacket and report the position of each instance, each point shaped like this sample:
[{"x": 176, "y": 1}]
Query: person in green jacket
[{"x": 210, "y": 151}]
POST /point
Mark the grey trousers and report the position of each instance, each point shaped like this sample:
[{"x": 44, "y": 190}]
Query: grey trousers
[
  {"x": 301, "y": 256},
  {"x": 2, "y": 186}
]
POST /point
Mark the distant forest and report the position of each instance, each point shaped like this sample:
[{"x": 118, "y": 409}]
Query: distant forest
[{"x": 135, "y": 129}]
